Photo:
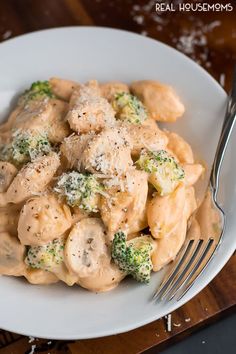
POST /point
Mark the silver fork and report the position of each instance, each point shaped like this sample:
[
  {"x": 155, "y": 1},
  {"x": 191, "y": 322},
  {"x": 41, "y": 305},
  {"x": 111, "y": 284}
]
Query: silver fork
[{"x": 196, "y": 253}]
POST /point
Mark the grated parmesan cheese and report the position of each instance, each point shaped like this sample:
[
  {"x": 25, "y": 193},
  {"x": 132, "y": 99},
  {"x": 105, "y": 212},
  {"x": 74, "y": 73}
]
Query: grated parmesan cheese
[
  {"x": 168, "y": 322},
  {"x": 89, "y": 110}
]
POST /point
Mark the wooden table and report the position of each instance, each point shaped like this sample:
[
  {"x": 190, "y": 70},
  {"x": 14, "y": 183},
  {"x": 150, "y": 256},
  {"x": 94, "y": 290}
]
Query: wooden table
[{"x": 207, "y": 37}]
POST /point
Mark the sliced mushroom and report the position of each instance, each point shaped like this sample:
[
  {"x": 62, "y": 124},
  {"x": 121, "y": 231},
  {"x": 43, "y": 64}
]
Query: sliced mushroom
[
  {"x": 126, "y": 209},
  {"x": 31, "y": 180},
  {"x": 164, "y": 213},
  {"x": 111, "y": 88},
  {"x": 11, "y": 255},
  {"x": 161, "y": 100},
  {"x": 108, "y": 153},
  {"x": 85, "y": 250},
  {"x": 62, "y": 88},
  {"x": 7, "y": 173},
  {"x": 42, "y": 219},
  {"x": 88, "y": 110},
  {"x": 180, "y": 148}
]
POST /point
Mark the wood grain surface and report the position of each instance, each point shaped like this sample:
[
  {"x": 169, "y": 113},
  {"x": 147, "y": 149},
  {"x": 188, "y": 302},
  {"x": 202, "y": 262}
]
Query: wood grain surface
[{"x": 209, "y": 38}]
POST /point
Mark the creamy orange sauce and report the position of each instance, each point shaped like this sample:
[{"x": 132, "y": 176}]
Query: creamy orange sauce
[{"x": 88, "y": 137}]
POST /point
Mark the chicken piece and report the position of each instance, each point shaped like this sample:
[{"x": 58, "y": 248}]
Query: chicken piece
[
  {"x": 8, "y": 124},
  {"x": 42, "y": 219},
  {"x": 126, "y": 210},
  {"x": 105, "y": 279},
  {"x": 192, "y": 173},
  {"x": 145, "y": 136},
  {"x": 11, "y": 255},
  {"x": 161, "y": 100},
  {"x": 168, "y": 247},
  {"x": 7, "y": 173},
  {"x": 190, "y": 202},
  {"x": 53, "y": 124},
  {"x": 88, "y": 110},
  {"x": 58, "y": 126},
  {"x": 108, "y": 153},
  {"x": 73, "y": 147},
  {"x": 111, "y": 88},
  {"x": 151, "y": 123},
  {"x": 9, "y": 217},
  {"x": 40, "y": 276},
  {"x": 65, "y": 275},
  {"x": 133, "y": 235},
  {"x": 33, "y": 115},
  {"x": 42, "y": 116},
  {"x": 86, "y": 251},
  {"x": 62, "y": 88},
  {"x": 78, "y": 214},
  {"x": 33, "y": 111},
  {"x": 180, "y": 148},
  {"x": 164, "y": 213},
  {"x": 31, "y": 180}
]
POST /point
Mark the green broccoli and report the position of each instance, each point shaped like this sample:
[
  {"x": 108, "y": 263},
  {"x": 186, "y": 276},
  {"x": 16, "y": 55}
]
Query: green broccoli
[
  {"x": 27, "y": 146},
  {"x": 164, "y": 172},
  {"x": 129, "y": 108},
  {"x": 38, "y": 90},
  {"x": 80, "y": 190},
  {"x": 134, "y": 256},
  {"x": 47, "y": 256}
]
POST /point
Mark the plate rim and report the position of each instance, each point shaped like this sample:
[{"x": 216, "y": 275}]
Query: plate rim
[{"x": 229, "y": 252}]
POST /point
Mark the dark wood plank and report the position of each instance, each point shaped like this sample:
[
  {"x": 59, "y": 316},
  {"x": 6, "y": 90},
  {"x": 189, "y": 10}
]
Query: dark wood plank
[{"x": 207, "y": 37}]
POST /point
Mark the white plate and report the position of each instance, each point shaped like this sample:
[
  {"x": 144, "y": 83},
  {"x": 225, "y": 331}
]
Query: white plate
[{"x": 83, "y": 53}]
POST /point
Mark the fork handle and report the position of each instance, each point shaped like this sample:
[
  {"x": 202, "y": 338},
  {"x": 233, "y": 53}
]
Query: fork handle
[{"x": 227, "y": 129}]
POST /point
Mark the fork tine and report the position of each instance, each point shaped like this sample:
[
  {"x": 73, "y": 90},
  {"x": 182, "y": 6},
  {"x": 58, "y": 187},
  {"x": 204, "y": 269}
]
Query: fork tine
[
  {"x": 180, "y": 275},
  {"x": 175, "y": 267},
  {"x": 197, "y": 274},
  {"x": 193, "y": 269}
]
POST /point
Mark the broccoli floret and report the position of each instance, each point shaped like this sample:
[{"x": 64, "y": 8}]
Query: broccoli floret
[
  {"x": 164, "y": 172},
  {"x": 134, "y": 256},
  {"x": 129, "y": 108},
  {"x": 38, "y": 90},
  {"x": 47, "y": 256},
  {"x": 26, "y": 146},
  {"x": 80, "y": 190}
]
